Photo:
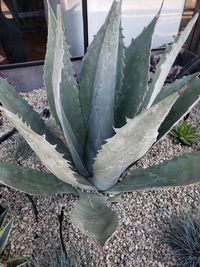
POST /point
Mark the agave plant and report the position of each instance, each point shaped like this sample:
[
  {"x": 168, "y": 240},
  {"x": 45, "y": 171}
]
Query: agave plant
[
  {"x": 184, "y": 133},
  {"x": 110, "y": 118},
  {"x": 5, "y": 261}
]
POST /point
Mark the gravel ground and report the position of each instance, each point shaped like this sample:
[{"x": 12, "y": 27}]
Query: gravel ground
[{"x": 143, "y": 216}]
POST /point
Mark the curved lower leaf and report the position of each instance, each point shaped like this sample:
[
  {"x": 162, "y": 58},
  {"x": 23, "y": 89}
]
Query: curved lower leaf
[
  {"x": 47, "y": 153},
  {"x": 31, "y": 181},
  {"x": 94, "y": 218},
  {"x": 180, "y": 171}
]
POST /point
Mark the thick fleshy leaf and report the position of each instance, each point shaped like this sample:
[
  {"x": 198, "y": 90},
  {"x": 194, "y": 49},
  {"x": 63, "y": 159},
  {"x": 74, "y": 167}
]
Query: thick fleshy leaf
[
  {"x": 94, "y": 218},
  {"x": 120, "y": 74},
  {"x": 4, "y": 235},
  {"x": 49, "y": 59},
  {"x": 175, "y": 87},
  {"x": 66, "y": 98},
  {"x": 101, "y": 118},
  {"x": 32, "y": 181},
  {"x": 90, "y": 66},
  {"x": 129, "y": 144},
  {"x": 53, "y": 128},
  {"x": 17, "y": 105},
  {"x": 166, "y": 61},
  {"x": 182, "y": 106},
  {"x": 136, "y": 74},
  {"x": 180, "y": 171},
  {"x": 3, "y": 218},
  {"x": 47, "y": 153}
]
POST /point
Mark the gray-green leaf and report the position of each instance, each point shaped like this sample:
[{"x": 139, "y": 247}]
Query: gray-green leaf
[
  {"x": 94, "y": 218},
  {"x": 180, "y": 171},
  {"x": 166, "y": 61},
  {"x": 32, "y": 181},
  {"x": 182, "y": 106},
  {"x": 101, "y": 94},
  {"x": 17, "y": 105},
  {"x": 90, "y": 65},
  {"x": 66, "y": 98},
  {"x": 174, "y": 87},
  {"x": 136, "y": 74},
  {"x": 47, "y": 153},
  {"x": 129, "y": 143},
  {"x": 120, "y": 74},
  {"x": 49, "y": 59}
]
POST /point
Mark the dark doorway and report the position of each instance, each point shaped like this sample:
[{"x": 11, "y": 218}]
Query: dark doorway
[{"x": 23, "y": 31}]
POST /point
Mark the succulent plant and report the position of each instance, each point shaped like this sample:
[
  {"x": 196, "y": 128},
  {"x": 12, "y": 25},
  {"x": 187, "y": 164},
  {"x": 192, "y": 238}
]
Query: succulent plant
[
  {"x": 184, "y": 133},
  {"x": 184, "y": 239},
  {"x": 5, "y": 260},
  {"x": 110, "y": 118}
]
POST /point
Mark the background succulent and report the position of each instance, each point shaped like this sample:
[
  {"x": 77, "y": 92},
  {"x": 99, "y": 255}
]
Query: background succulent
[
  {"x": 185, "y": 133},
  {"x": 184, "y": 239},
  {"x": 109, "y": 120}
]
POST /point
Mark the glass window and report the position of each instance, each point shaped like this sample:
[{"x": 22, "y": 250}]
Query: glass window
[
  {"x": 136, "y": 15},
  {"x": 23, "y": 24},
  {"x": 72, "y": 13},
  {"x": 190, "y": 4},
  {"x": 189, "y": 8},
  {"x": 23, "y": 29}
]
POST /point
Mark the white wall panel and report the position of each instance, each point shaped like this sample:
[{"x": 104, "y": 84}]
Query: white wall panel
[
  {"x": 136, "y": 15},
  {"x": 72, "y": 12}
]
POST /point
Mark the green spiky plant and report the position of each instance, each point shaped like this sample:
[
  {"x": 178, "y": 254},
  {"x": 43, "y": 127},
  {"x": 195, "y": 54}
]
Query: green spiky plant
[
  {"x": 109, "y": 119},
  {"x": 184, "y": 133},
  {"x": 5, "y": 261}
]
